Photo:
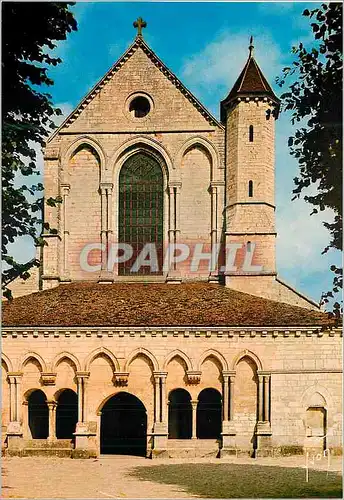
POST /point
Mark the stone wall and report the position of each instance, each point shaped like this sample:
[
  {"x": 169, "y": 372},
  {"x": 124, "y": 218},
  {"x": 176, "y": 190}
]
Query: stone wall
[{"x": 294, "y": 364}]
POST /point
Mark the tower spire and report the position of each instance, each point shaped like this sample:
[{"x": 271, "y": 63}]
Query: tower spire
[{"x": 251, "y": 46}]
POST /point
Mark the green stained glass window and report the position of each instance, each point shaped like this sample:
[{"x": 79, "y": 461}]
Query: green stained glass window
[{"x": 141, "y": 210}]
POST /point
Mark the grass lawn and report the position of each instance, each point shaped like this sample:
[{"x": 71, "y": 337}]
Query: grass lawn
[{"x": 244, "y": 481}]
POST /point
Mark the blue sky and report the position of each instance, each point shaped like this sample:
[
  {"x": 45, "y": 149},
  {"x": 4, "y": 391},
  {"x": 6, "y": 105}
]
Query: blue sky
[{"x": 205, "y": 45}]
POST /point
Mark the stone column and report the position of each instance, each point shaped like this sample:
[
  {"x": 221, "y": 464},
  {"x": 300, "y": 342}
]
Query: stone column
[
  {"x": 80, "y": 399},
  {"x": 231, "y": 397},
  {"x": 225, "y": 397},
  {"x": 160, "y": 432},
  {"x": 65, "y": 188},
  {"x": 52, "y": 420},
  {"x": 178, "y": 186},
  {"x": 194, "y": 404},
  {"x": 260, "y": 398},
  {"x": 82, "y": 378},
  {"x": 157, "y": 399},
  {"x": 13, "y": 398},
  {"x": 163, "y": 399},
  {"x": 213, "y": 190},
  {"x": 263, "y": 428},
  {"x": 174, "y": 228},
  {"x": 106, "y": 274},
  {"x": 266, "y": 398},
  {"x": 228, "y": 428}
]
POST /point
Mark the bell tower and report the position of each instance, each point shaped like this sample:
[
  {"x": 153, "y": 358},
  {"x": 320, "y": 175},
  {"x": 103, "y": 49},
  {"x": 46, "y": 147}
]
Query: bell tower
[{"x": 249, "y": 113}]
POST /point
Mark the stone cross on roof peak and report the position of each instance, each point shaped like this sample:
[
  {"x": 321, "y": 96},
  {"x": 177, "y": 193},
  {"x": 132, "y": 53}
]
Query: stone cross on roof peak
[{"x": 139, "y": 24}]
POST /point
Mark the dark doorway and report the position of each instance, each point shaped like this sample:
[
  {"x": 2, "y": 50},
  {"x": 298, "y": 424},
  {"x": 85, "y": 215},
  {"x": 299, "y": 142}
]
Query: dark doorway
[
  {"x": 209, "y": 414},
  {"x": 38, "y": 415},
  {"x": 66, "y": 414},
  {"x": 179, "y": 415},
  {"x": 123, "y": 428}
]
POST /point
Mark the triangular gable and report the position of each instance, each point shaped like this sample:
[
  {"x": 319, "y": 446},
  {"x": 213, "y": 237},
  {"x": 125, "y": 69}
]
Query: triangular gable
[{"x": 138, "y": 42}]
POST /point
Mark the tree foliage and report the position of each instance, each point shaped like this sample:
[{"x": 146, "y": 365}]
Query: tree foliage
[
  {"x": 315, "y": 97},
  {"x": 29, "y": 30}
]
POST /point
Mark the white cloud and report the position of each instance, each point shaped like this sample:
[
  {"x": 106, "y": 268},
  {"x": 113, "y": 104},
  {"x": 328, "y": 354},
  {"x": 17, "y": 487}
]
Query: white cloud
[{"x": 221, "y": 61}]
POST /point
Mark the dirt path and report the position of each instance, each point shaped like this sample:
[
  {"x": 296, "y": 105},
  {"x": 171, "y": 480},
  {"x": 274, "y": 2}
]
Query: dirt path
[{"x": 106, "y": 477}]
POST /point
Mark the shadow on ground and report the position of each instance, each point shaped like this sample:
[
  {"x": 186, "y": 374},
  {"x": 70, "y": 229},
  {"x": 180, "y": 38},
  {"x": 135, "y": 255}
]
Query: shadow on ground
[{"x": 244, "y": 481}]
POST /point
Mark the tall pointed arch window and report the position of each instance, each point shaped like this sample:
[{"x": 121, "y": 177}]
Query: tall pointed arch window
[{"x": 141, "y": 186}]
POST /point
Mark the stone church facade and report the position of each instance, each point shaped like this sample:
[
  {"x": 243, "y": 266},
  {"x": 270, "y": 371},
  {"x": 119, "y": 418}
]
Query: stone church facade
[{"x": 156, "y": 324}]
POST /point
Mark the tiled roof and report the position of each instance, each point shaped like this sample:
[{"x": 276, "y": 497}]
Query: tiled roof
[{"x": 153, "y": 304}]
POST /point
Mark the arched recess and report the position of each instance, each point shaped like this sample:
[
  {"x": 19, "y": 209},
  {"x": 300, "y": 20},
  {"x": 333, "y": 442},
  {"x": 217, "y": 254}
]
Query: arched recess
[
  {"x": 75, "y": 145},
  {"x": 7, "y": 362},
  {"x": 207, "y": 146},
  {"x": 35, "y": 356},
  {"x": 212, "y": 353},
  {"x": 248, "y": 354},
  {"x": 179, "y": 414},
  {"x": 65, "y": 365},
  {"x": 141, "y": 352},
  {"x": 209, "y": 414},
  {"x": 310, "y": 392},
  {"x": 38, "y": 414},
  {"x": 66, "y": 413},
  {"x": 123, "y": 427},
  {"x": 180, "y": 354},
  {"x": 5, "y": 396},
  {"x": 104, "y": 352},
  {"x": 66, "y": 355}
]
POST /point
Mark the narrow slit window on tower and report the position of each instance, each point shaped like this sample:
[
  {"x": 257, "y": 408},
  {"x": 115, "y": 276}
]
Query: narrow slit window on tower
[
  {"x": 248, "y": 246},
  {"x": 250, "y": 189},
  {"x": 250, "y": 133}
]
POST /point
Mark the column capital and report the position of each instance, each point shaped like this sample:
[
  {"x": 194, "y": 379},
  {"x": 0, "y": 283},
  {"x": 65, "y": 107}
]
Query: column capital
[
  {"x": 65, "y": 188},
  {"x": 194, "y": 403},
  {"x": 82, "y": 375},
  {"x": 228, "y": 373},
  {"x": 105, "y": 186},
  {"x": 175, "y": 184},
  {"x": 263, "y": 373},
  {"x": 194, "y": 376},
  {"x": 14, "y": 377},
  {"x": 218, "y": 183},
  {"x": 52, "y": 404},
  {"x": 121, "y": 378},
  {"x": 48, "y": 378},
  {"x": 160, "y": 374}
]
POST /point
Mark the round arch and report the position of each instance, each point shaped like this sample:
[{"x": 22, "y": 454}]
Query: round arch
[
  {"x": 99, "y": 352},
  {"x": 123, "y": 425},
  {"x": 141, "y": 351},
  {"x": 38, "y": 414},
  {"x": 66, "y": 413},
  {"x": 209, "y": 414},
  {"x": 180, "y": 354},
  {"x": 179, "y": 414},
  {"x": 71, "y": 148},
  {"x": 212, "y": 353},
  {"x": 66, "y": 355},
  {"x": 248, "y": 354},
  {"x": 37, "y": 357}
]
